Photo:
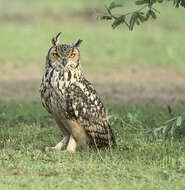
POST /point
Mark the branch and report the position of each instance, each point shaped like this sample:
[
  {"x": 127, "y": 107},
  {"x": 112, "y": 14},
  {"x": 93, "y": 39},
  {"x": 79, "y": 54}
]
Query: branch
[{"x": 138, "y": 16}]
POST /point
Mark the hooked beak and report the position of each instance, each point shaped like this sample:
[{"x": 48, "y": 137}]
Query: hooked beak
[{"x": 64, "y": 62}]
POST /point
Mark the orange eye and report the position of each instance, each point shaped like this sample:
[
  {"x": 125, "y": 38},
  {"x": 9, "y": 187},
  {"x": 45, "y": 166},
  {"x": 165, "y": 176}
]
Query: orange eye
[
  {"x": 72, "y": 55},
  {"x": 55, "y": 55}
]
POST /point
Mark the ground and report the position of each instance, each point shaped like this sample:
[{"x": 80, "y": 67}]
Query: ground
[
  {"x": 159, "y": 85},
  {"x": 138, "y": 74}
]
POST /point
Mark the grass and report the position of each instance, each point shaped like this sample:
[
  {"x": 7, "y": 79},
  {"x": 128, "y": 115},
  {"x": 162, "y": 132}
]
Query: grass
[{"x": 139, "y": 161}]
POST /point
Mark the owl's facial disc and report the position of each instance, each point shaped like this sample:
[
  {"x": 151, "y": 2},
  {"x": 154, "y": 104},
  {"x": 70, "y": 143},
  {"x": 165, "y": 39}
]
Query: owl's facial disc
[
  {"x": 65, "y": 55},
  {"x": 59, "y": 55}
]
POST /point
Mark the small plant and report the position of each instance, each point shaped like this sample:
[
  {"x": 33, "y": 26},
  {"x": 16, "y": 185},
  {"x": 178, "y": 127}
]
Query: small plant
[{"x": 169, "y": 127}]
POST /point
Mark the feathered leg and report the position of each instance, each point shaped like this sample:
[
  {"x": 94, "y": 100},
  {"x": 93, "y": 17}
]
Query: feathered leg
[
  {"x": 71, "y": 147},
  {"x": 61, "y": 145}
]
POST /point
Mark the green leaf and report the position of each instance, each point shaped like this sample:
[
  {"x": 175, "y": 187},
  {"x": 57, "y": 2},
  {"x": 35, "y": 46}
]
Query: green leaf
[
  {"x": 183, "y": 116},
  {"x": 164, "y": 129},
  {"x": 176, "y": 3},
  {"x": 141, "y": 17},
  {"x": 157, "y": 130},
  {"x": 141, "y": 2},
  {"x": 106, "y": 18},
  {"x": 114, "y": 5},
  {"x": 170, "y": 120},
  {"x": 179, "y": 121},
  {"x": 132, "y": 21},
  {"x": 183, "y": 3},
  {"x": 118, "y": 21},
  {"x": 137, "y": 22},
  {"x": 150, "y": 13},
  {"x": 172, "y": 129}
]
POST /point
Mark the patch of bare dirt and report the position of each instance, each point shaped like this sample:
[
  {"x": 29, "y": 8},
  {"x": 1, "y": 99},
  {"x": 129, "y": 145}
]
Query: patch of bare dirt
[
  {"x": 19, "y": 90},
  {"x": 86, "y": 15},
  {"x": 160, "y": 86},
  {"x": 16, "y": 18},
  {"x": 124, "y": 92}
]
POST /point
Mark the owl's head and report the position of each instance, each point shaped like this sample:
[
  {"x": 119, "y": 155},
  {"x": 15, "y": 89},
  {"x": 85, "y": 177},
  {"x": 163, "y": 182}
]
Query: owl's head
[{"x": 63, "y": 56}]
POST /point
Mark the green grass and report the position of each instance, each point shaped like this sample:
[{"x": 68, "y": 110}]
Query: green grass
[{"x": 138, "y": 162}]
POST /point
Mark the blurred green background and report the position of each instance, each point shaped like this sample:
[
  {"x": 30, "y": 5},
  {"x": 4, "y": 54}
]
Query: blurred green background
[{"x": 153, "y": 53}]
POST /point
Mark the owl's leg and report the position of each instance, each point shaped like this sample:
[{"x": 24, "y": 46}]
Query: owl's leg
[
  {"x": 71, "y": 147},
  {"x": 60, "y": 145}
]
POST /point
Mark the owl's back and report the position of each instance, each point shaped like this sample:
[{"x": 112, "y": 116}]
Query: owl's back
[{"x": 85, "y": 106}]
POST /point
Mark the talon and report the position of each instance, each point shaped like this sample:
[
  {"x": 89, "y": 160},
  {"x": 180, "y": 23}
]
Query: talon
[
  {"x": 59, "y": 146},
  {"x": 49, "y": 148}
]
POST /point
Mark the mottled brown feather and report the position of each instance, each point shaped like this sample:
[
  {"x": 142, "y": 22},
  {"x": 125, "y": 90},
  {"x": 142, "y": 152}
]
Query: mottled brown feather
[{"x": 72, "y": 100}]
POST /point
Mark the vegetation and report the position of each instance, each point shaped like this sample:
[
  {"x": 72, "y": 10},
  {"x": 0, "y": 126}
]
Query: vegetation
[
  {"x": 139, "y": 161},
  {"x": 138, "y": 16},
  {"x": 28, "y": 22},
  {"x": 127, "y": 63}
]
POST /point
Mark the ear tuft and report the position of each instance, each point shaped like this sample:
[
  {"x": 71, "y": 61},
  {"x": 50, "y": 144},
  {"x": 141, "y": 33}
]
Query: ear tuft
[
  {"x": 76, "y": 44},
  {"x": 55, "y": 40}
]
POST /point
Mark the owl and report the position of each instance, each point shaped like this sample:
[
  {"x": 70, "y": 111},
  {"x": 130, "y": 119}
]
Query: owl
[{"x": 72, "y": 100}]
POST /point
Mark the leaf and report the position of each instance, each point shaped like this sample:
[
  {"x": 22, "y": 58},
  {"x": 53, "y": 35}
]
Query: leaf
[
  {"x": 164, "y": 129},
  {"x": 183, "y": 116},
  {"x": 183, "y": 3},
  {"x": 141, "y": 2},
  {"x": 132, "y": 21},
  {"x": 137, "y": 22},
  {"x": 106, "y": 18},
  {"x": 151, "y": 2},
  {"x": 169, "y": 126},
  {"x": 157, "y": 130},
  {"x": 141, "y": 17},
  {"x": 170, "y": 120},
  {"x": 179, "y": 2},
  {"x": 176, "y": 3},
  {"x": 152, "y": 13},
  {"x": 172, "y": 129},
  {"x": 114, "y": 5},
  {"x": 179, "y": 121},
  {"x": 118, "y": 21}
]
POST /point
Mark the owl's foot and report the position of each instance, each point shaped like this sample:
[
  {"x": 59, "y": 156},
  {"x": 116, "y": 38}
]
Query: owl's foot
[
  {"x": 60, "y": 145},
  {"x": 71, "y": 147}
]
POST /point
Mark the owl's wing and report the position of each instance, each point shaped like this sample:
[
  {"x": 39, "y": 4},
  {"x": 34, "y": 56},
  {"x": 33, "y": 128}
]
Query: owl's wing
[{"x": 85, "y": 106}]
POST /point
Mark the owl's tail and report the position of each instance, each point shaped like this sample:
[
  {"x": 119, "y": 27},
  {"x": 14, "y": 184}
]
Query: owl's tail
[
  {"x": 102, "y": 138},
  {"x": 113, "y": 139}
]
